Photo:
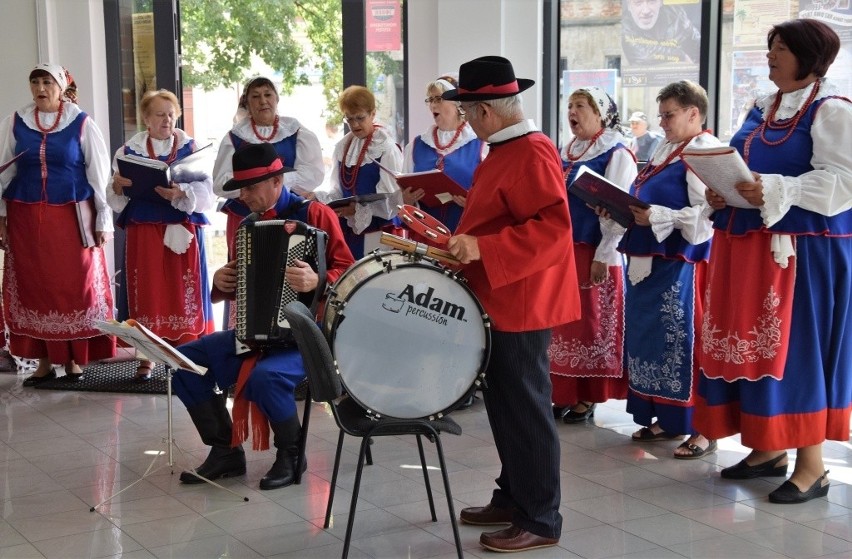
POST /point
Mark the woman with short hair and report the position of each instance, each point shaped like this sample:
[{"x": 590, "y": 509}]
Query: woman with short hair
[
  {"x": 165, "y": 267},
  {"x": 790, "y": 260}
]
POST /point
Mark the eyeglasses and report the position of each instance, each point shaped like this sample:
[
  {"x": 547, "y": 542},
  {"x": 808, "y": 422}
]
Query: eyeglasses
[
  {"x": 433, "y": 99},
  {"x": 668, "y": 115},
  {"x": 355, "y": 119}
]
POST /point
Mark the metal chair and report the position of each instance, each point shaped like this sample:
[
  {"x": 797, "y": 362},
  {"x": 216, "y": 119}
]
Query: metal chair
[{"x": 353, "y": 420}]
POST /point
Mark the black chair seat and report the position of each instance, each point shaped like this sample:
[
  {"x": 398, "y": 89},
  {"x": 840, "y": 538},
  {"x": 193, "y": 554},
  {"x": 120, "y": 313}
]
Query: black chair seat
[{"x": 352, "y": 419}]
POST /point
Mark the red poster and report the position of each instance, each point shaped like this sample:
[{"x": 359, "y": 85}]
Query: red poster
[{"x": 383, "y": 25}]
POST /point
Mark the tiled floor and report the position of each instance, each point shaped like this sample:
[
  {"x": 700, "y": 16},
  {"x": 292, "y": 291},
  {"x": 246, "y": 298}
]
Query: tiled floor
[{"x": 62, "y": 452}]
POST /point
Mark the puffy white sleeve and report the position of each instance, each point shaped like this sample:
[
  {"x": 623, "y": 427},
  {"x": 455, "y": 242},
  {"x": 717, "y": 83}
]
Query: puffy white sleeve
[
  {"x": 115, "y": 201},
  {"x": 827, "y": 190},
  {"x": 621, "y": 170},
  {"x": 334, "y": 192},
  {"x": 199, "y": 196},
  {"x": 692, "y": 220},
  {"x": 310, "y": 169},
  {"x": 97, "y": 172},
  {"x": 7, "y": 152},
  {"x": 223, "y": 169}
]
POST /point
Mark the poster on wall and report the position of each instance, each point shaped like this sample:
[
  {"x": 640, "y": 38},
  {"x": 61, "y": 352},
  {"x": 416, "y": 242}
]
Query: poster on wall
[
  {"x": 754, "y": 18},
  {"x": 383, "y": 25},
  {"x": 660, "y": 41},
  {"x": 749, "y": 80},
  {"x": 604, "y": 79},
  {"x": 837, "y": 14},
  {"x": 144, "y": 57}
]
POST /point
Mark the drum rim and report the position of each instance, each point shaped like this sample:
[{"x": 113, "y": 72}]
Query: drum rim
[{"x": 331, "y": 335}]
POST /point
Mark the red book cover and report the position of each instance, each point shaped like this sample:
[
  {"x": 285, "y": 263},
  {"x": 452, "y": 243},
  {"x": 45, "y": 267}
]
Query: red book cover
[{"x": 596, "y": 190}]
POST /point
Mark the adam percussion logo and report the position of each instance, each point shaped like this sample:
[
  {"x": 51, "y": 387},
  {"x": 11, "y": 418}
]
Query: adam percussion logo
[{"x": 423, "y": 305}]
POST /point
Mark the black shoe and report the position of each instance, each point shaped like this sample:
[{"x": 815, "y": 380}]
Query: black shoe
[
  {"x": 221, "y": 462},
  {"x": 571, "y": 416},
  {"x": 71, "y": 377},
  {"x": 742, "y": 470},
  {"x": 789, "y": 494},
  {"x": 283, "y": 471},
  {"x": 559, "y": 410},
  {"x": 33, "y": 380}
]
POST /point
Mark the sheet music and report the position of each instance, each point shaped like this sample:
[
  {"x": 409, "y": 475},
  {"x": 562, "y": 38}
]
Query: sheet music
[
  {"x": 720, "y": 168},
  {"x": 149, "y": 344}
]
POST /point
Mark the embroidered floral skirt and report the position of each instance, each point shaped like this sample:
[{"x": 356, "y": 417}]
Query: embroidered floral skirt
[
  {"x": 811, "y": 401},
  {"x": 53, "y": 288},
  {"x": 661, "y": 314},
  {"x": 587, "y": 355},
  {"x": 166, "y": 291}
]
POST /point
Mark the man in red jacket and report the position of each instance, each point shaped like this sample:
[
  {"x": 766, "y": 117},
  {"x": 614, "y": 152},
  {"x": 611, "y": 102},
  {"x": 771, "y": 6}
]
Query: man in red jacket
[{"x": 514, "y": 241}]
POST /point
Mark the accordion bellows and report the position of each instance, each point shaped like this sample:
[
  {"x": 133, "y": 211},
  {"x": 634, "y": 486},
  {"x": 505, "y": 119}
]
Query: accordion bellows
[{"x": 264, "y": 249}]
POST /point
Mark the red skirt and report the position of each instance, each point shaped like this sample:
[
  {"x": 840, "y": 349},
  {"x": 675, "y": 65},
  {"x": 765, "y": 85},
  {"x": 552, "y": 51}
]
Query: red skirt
[
  {"x": 587, "y": 355},
  {"x": 53, "y": 288},
  {"x": 164, "y": 289},
  {"x": 746, "y": 337}
]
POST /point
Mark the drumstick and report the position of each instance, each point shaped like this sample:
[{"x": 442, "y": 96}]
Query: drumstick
[{"x": 413, "y": 247}]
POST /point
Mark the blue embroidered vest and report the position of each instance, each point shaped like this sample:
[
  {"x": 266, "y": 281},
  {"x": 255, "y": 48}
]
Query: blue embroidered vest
[{"x": 66, "y": 166}]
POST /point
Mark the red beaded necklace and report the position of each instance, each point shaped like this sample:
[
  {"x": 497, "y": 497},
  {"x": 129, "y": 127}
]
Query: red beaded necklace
[
  {"x": 572, "y": 159},
  {"x": 769, "y": 122},
  {"x": 442, "y": 149},
  {"x": 649, "y": 170},
  {"x": 348, "y": 179},
  {"x": 172, "y": 155},
  {"x": 44, "y": 130},
  {"x": 271, "y": 135}
]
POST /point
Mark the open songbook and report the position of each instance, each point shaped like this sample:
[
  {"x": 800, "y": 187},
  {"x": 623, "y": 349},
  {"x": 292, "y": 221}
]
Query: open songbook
[
  {"x": 358, "y": 199},
  {"x": 147, "y": 174},
  {"x": 439, "y": 187},
  {"x": 720, "y": 168},
  {"x": 596, "y": 190},
  {"x": 148, "y": 345}
]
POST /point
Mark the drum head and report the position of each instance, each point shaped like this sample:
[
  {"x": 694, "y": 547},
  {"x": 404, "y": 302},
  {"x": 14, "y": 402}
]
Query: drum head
[{"x": 410, "y": 342}]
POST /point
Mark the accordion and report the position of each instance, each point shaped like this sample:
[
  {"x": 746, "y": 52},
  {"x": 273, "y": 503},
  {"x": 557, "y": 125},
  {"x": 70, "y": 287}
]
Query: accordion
[{"x": 264, "y": 249}]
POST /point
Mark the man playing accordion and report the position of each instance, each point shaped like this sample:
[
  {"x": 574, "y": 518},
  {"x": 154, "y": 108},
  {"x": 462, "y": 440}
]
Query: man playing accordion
[{"x": 265, "y": 379}]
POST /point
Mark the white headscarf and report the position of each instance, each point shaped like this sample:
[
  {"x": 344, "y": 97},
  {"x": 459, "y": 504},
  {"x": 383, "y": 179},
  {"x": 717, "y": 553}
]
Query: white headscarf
[{"x": 62, "y": 77}]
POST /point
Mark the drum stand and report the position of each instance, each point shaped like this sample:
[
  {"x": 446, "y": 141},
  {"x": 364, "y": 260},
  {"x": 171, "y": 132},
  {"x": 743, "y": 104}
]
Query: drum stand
[{"x": 170, "y": 445}]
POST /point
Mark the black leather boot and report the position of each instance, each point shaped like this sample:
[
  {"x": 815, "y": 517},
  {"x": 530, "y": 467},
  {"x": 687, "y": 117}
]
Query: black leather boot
[
  {"x": 213, "y": 422},
  {"x": 283, "y": 471}
]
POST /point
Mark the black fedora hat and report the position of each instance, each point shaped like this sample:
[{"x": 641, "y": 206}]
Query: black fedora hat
[
  {"x": 487, "y": 77},
  {"x": 254, "y": 163}
]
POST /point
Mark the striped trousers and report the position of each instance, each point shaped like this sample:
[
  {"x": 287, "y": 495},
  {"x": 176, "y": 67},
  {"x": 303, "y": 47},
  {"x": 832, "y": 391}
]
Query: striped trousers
[{"x": 517, "y": 399}]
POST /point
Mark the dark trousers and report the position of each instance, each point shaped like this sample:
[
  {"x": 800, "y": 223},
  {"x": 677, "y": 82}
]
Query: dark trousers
[{"x": 518, "y": 403}]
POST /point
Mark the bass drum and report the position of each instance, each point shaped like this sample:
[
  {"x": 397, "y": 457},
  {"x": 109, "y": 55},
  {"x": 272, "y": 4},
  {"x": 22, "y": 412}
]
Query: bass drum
[{"x": 409, "y": 338}]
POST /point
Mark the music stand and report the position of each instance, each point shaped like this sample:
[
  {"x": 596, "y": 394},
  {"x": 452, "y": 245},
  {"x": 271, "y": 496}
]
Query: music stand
[{"x": 158, "y": 350}]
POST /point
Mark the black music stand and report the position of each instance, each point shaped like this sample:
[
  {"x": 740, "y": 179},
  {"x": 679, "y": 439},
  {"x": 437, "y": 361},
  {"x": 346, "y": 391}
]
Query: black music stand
[{"x": 158, "y": 350}]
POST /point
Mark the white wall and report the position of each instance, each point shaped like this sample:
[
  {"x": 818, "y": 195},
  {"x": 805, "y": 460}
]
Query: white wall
[
  {"x": 469, "y": 29},
  {"x": 67, "y": 32}
]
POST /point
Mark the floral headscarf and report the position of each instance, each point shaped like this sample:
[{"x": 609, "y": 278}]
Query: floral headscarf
[
  {"x": 62, "y": 77},
  {"x": 606, "y": 106}
]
